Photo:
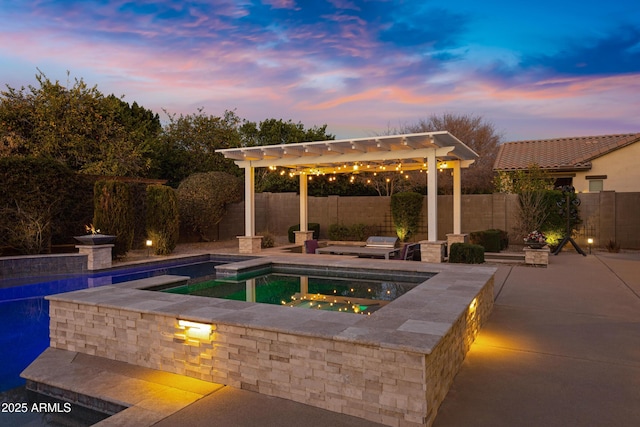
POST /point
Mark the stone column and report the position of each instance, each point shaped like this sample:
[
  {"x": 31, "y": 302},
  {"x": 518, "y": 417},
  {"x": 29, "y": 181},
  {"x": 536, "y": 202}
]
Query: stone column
[
  {"x": 432, "y": 252},
  {"x": 249, "y": 244},
  {"x": 98, "y": 256},
  {"x": 457, "y": 238},
  {"x": 537, "y": 256},
  {"x": 301, "y": 236}
]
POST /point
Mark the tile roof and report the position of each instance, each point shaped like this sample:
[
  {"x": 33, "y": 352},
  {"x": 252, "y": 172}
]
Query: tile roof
[{"x": 561, "y": 153}]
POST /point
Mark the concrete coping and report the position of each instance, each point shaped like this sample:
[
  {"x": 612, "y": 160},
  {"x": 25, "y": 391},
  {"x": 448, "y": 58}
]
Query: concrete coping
[{"x": 416, "y": 321}]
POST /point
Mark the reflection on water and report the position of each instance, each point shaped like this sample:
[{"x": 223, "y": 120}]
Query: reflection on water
[{"x": 359, "y": 296}]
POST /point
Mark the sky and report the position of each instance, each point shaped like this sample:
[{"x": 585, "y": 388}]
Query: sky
[{"x": 535, "y": 70}]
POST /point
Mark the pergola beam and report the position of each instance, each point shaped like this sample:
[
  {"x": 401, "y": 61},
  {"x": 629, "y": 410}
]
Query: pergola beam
[{"x": 410, "y": 150}]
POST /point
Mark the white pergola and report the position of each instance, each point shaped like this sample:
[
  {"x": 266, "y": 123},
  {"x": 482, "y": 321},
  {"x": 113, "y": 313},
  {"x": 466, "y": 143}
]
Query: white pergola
[{"x": 426, "y": 151}]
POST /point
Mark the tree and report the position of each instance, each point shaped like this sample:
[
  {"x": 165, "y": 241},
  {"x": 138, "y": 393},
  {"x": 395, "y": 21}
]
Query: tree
[
  {"x": 33, "y": 192},
  {"x": 473, "y": 131},
  {"x": 74, "y": 124},
  {"x": 203, "y": 200},
  {"x": 188, "y": 143},
  {"x": 274, "y": 132}
]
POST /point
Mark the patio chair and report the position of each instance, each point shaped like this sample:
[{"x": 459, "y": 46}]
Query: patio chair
[
  {"x": 310, "y": 246},
  {"x": 407, "y": 252}
]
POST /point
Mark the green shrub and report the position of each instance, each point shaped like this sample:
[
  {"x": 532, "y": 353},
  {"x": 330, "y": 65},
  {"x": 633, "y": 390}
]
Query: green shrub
[
  {"x": 163, "y": 220},
  {"x": 492, "y": 240},
  {"x": 355, "y": 232},
  {"x": 139, "y": 202},
  {"x": 113, "y": 213},
  {"x": 203, "y": 200},
  {"x": 33, "y": 192},
  {"x": 466, "y": 253},
  {"x": 405, "y": 211},
  {"x": 268, "y": 241},
  {"x": 312, "y": 226}
]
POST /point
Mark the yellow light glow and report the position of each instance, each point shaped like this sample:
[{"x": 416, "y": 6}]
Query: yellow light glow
[
  {"x": 195, "y": 328},
  {"x": 473, "y": 305},
  {"x": 590, "y": 240},
  {"x": 149, "y": 242}
]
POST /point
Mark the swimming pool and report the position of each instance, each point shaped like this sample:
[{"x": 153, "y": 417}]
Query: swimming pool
[
  {"x": 362, "y": 295},
  {"x": 24, "y": 313}
]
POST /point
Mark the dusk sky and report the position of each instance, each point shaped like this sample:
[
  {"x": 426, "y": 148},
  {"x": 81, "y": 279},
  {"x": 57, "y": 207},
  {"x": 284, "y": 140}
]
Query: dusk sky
[{"x": 535, "y": 70}]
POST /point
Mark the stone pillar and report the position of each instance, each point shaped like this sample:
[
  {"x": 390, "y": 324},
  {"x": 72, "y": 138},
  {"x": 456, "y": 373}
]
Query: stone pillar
[
  {"x": 249, "y": 244},
  {"x": 457, "y": 238},
  {"x": 98, "y": 256},
  {"x": 537, "y": 256},
  {"x": 301, "y": 236},
  {"x": 432, "y": 252}
]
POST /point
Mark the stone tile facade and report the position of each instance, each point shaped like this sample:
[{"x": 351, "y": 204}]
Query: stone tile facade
[
  {"x": 365, "y": 366},
  {"x": 537, "y": 256},
  {"x": 36, "y": 265}
]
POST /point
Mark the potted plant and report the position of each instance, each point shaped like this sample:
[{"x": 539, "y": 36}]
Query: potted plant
[
  {"x": 94, "y": 237},
  {"x": 535, "y": 240}
]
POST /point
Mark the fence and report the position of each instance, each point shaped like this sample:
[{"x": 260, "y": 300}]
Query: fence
[{"x": 607, "y": 216}]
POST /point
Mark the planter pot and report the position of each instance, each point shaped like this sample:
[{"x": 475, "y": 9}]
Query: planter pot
[
  {"x": 536, "y": 245},
  {"x": 95, "y": 239}
]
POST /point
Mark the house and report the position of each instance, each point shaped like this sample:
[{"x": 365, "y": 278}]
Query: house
[{"x": 588, "y": 163}]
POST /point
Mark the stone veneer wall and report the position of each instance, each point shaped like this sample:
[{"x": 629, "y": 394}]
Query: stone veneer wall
[
  {"x": 38, "y": 265},
  {"x": 385, "y": 385}
]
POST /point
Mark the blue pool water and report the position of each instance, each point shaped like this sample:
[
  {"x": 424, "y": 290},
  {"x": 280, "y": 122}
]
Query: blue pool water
[{"x": 24, "y": 313}]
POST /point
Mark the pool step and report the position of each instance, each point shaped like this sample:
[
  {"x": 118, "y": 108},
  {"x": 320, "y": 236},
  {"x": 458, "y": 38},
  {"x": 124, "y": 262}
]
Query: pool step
[{"x": 504, "y": 257}]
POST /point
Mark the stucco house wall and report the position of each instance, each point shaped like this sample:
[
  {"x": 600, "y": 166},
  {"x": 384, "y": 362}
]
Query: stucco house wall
[{"x": 620, "y": 168}]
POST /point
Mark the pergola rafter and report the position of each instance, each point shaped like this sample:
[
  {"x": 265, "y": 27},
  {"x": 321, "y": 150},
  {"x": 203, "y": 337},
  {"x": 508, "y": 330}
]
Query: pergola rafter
[{"x": 418, "y": 151}]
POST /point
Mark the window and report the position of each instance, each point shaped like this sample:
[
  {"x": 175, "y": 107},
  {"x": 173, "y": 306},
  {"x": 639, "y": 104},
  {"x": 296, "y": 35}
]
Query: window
[
  {"x": 595, "y": 185},
  {"x": 596, "y": 182}
]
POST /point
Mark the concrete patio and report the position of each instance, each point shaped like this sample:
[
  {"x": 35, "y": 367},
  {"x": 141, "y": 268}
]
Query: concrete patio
[{"x": 561, "y": 348}]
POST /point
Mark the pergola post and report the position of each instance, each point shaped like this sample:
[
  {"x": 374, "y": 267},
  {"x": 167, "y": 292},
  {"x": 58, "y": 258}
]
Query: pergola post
[
  {"x": 249, "y": 243},
  {"x": 432, "y": 197},
  {"x": 457, "y": 236},
  {"x": 304, "y": 233},
  {"x": 432, "y": 249}
]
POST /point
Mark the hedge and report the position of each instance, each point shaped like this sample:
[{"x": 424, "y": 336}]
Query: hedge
[
  {"x": 355, "y": 232},
  {"x": 113, "y": 213},
  {"x": 466, "y": 253},
  {"x": 163, "y": 220},
  {"x": 492, "y": 240}
]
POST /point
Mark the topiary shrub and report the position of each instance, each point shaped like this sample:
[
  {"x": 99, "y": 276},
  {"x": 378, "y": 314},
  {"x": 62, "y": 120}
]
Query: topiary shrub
[
  {"x": 405, "y": 211},
  {"x": 466, "y": 253},
  {"x": 113, "y": 213},
  {"x": 203, "y": 199},
  {"x": 163, "y": 219},
  {"x": 312, "y": 226}
]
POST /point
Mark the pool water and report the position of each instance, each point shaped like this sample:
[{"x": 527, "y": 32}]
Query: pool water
[
  {"x": 360, "y": 296},
  {"x": 24, "y": 313}
]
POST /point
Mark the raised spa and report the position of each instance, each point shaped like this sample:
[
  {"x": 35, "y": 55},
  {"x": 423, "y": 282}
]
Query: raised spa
[
  {"x": 362, "y": 294},
  {"x": 393, "y": 367}
]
